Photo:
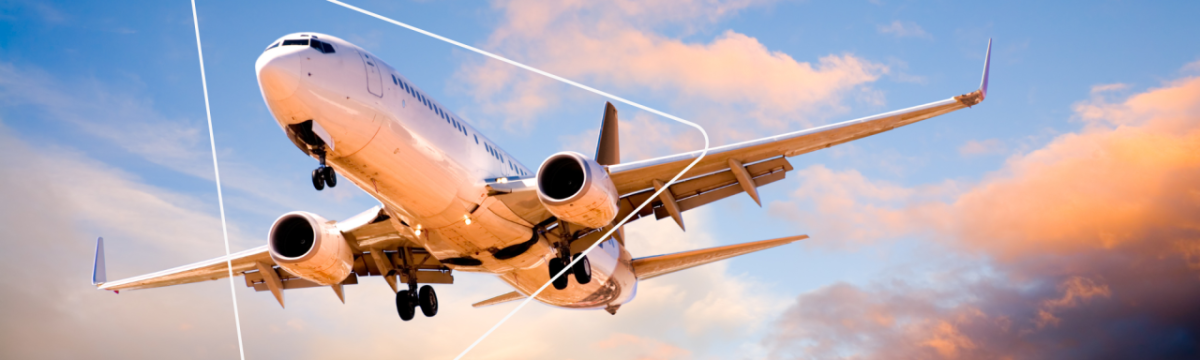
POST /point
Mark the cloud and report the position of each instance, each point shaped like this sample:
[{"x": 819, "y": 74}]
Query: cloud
[
  {"x": 128, "y": 120},
  {"x": 56, "y": 202},
  {"x": 621, "y": 47},
  {"x": 1085, "y": 248},
  {"x": 982, "y": 147},
  {"x": 902, "y": 29},
  {"x": 1109, "y": 88}
]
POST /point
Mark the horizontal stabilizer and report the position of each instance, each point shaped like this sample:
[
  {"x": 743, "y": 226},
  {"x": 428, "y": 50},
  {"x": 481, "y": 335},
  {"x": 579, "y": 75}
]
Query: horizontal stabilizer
[
  {"x": 649, "y": 267},
  {"x": 512, "y": 296}
]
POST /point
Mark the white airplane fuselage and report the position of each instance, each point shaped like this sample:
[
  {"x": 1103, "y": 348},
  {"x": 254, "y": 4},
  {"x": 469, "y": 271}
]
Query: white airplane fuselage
[{"x": 425, "y": 165}]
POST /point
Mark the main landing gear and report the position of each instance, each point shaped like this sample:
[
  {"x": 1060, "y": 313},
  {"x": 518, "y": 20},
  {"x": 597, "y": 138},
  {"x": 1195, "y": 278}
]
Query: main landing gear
[
  {"x": 582, "y": 271},
  {"x": 407, "y": 302},
  {"x": 323, "y": 175}
]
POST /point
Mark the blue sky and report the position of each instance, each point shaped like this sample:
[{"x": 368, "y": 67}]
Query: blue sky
[{"x": 116, "y": 86}]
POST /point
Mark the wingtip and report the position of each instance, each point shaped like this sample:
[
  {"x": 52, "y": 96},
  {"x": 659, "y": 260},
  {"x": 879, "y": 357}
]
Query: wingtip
[
  {"x": 99, "y": 276},
  {"x": 987, "y": 62}
]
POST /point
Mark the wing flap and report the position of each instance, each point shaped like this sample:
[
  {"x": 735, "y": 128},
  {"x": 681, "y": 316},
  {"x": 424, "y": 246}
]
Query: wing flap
[
  {"x": 654, "y": 266},
  {"x": 637, "y": 176},
  {"x": 694, "y": 192}
]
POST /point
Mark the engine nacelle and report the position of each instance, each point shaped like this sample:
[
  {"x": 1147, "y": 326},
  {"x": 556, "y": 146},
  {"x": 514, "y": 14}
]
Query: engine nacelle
[
  {"x": 308, "y": 246},
  {"x": 577, "y": 190}
]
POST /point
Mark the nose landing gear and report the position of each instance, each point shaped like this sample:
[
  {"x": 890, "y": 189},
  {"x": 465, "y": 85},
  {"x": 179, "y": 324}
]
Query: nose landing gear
[{"x": 323, "y": 175}]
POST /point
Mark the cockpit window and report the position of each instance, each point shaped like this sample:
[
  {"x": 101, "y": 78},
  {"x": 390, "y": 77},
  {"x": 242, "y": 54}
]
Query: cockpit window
[
  {"x": 290, "y": 42},
  {"x": 321, "y": 46},
  {"x": 275, "y": 45}
]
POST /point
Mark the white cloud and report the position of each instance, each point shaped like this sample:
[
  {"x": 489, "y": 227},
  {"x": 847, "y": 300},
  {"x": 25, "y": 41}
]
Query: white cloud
[{"x": 903, "y": 29}]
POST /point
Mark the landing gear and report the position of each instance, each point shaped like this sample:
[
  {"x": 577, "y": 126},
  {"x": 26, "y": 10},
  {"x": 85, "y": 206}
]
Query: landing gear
[
  {"x": 429, "y": 302},
  {"x": 323, "y": 175},
  {"x": 406, "y": 305},
  {"x": 329, "y": 176},
  {"x": 582, "y": 269},
  {"x": 318, "y": 179},
  {"x": 557, "y": 265}
]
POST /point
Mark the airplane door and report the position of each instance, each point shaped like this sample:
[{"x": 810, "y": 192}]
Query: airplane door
[{"x": 374, "y": 79}]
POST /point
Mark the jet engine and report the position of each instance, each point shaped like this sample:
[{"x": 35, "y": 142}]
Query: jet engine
[
  {"x": 577, "y": 190},
  {"x": 308, "y": 246}
]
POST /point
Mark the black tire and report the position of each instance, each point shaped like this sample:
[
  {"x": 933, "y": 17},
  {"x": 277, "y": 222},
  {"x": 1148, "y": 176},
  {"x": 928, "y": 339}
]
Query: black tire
[
  {"x": 582, "y": 270},
  {"x": 557, "y": 265},
  {"x": 428, "y": 300},
  {"x": 405, "y": 306},
  {"x": 318, "y": 180},
  {"x": 329, "y": 176}
]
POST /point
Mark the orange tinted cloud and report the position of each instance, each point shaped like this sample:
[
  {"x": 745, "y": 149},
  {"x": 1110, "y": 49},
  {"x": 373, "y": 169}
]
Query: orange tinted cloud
[
  {"x": 620, "y": 46},
  {"x": 1085, "y": 248}
]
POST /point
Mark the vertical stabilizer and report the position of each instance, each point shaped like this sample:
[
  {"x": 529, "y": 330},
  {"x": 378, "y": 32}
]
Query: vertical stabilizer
[
  {"x": 608, "y": 147},
  {"x": 98, "y": 274}
]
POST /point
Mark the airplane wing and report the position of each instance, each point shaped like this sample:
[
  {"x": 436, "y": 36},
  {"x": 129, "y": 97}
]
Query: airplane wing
[
  {"x": 742, "y": 167},
  {"x": 726, "y": 170},
  {"x": 372, "y": 235},
  {"x": 654, "y": 266}
]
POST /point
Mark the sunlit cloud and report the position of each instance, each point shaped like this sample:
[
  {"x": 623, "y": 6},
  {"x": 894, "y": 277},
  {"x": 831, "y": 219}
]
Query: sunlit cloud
[
  {"x": 622, "y": 48},
  {"x": 1087, "y": 241}
]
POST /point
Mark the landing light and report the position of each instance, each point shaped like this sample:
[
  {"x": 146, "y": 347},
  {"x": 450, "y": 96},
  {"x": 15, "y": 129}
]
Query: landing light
[
  {"x": 467, "y": 219},
  {"x": 418, "y": 232},
  {"x": 502, "y": 180}
]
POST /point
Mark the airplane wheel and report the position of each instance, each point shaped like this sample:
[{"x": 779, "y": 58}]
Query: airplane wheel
[
  {"x": 429, "y": 302},
  {"x": 582, "y": 270},
  {"x": 329, "y": 176},
  {"x": 557, "y": 265},
  {"x": 405, "y": 305},
  {"x": 318, "y": 181}
]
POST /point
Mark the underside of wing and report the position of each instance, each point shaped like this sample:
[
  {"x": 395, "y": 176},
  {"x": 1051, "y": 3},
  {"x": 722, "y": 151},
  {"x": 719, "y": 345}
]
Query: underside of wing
[
  {"x": 212, "y": 269},
  {"x": 378, "y": 245},
  {"x": 654, "y": 266}
]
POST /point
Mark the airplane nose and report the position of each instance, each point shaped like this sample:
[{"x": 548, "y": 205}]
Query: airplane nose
[{"x": 278, "y": 73}]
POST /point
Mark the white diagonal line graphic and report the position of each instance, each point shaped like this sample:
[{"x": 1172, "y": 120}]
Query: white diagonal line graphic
[{"x": 212, "y": 141}]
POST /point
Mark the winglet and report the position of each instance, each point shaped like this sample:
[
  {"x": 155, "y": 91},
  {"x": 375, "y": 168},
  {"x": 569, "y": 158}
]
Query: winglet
[
  {"x": 975, "y": 97},
  {"x": 98, "y": 274},
  {"x": 987, "y": 62}
]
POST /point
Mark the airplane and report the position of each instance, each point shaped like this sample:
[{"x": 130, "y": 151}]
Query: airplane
[{"x": 451, "y": 199}]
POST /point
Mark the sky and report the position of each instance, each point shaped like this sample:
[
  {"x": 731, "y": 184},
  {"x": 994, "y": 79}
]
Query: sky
[{"x": 1058, "y": 219}]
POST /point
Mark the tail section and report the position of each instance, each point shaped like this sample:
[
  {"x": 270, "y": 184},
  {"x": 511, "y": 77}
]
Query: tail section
[
  {"x": 653, "y": 266},
  {"x": 608, "y": 146}
]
